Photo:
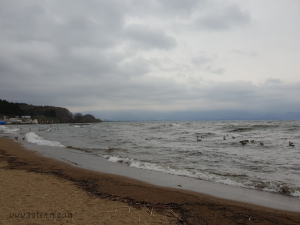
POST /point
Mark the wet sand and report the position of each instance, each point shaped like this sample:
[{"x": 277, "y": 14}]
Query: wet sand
[{"x": 31, "y": 183}]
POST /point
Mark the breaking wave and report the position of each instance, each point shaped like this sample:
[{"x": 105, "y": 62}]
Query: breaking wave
[
  {"x": 240, "y": 181},
  {"x": 34, "y": 138},
  {"x": 254, "y": 127},
  {"x": 7, "y": 130},
  {"x": 241, "y": 129}
]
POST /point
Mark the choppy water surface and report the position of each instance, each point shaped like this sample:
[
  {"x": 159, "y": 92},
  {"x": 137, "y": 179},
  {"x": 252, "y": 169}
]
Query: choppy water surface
[{"x": 172, "y": 147}]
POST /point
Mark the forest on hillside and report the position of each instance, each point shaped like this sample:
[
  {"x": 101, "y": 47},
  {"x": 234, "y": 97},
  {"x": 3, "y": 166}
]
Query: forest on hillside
[{"x": 56, "y": 114}]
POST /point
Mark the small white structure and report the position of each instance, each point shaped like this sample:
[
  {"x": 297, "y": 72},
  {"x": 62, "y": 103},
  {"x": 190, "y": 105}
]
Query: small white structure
[
  {"x": 24, "y": 120},
  {"x": 28, "y": 120},
  {"x": 15, "y": 121}
]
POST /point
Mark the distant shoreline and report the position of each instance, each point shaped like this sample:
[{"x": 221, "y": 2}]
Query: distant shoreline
[{"x": 200, "y": 120}]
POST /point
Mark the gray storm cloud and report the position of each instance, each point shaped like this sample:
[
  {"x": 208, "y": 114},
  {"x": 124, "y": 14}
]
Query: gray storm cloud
[
  {"x": 107, "y": 55},
  {"x": 149, "y": 38},
  {"x": 222, "y": 17}
]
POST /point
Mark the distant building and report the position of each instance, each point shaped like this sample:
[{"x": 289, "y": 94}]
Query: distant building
[
  {"x": 15, "y": 121},
  {"x": 28, "y": 120},
  {"x": 23, "y": 120}
]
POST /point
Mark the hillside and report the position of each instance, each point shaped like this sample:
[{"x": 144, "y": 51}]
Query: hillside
[{"x": 44, "y": 113}]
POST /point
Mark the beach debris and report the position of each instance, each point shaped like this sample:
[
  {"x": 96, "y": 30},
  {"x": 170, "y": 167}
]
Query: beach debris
[
  {"x": 261, "y": 143},
  {"x": 179, "y": 185},
  {"x": 108, "y": 211},
  {"x": 112, "y": 211},
  {"x": 151, "y": 212},
  {"x": 291, "y": 144},
  {"x": 174, "y": 214},
  {"x": 160, "y": 221}
]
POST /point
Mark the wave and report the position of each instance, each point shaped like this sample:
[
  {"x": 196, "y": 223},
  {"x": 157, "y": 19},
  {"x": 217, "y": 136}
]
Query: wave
[
  {"x": 79, "y": 149},
  {"x": 206, "y": 134},
  {"x": 92, "y": 150},
  {"x": 7, "y": 130},
  {"x": 34, "y": 138},
  {"x": 242, "y": 129},
  {"x": 254, "y": 127},
  {"x": 293, "y": 129},
  {"x": 228, "y": 179},
  {"x": 115, "y": 149},
  {"x": 164, "y": 126},
  {"x": 282, "y": 189},
  {"x": 265, "y": 126}
]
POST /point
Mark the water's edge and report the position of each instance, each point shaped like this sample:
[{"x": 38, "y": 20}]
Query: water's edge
[{"x": 255, "y": 197}]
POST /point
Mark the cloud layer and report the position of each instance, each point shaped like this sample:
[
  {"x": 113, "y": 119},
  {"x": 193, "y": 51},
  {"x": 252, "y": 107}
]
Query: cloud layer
[{"x": 130, "y": 54}]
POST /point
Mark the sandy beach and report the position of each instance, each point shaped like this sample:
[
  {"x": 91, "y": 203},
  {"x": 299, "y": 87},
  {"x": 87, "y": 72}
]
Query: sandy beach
[{"x": 39, "y": 190}]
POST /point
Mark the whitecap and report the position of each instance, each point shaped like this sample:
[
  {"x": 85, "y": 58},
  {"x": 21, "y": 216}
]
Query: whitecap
[
  {"x": 34, "y": 138},
  {"x": 7, "y": 130},
  {"x": 202, "y": 175}
]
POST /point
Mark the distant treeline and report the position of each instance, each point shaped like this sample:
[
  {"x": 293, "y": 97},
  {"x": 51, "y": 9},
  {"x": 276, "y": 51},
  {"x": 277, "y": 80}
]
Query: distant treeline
[
  {"x": 78, "y": 117},
  {"x": 44, "y": 113},
  {"x": 9, "y": 108}
]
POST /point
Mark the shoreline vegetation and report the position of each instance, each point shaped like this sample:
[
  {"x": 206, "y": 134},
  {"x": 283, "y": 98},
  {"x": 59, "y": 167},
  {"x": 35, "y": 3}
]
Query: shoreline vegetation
[
  {"x": 44, "y": 113},
  {"x": 31, "y": 183}
]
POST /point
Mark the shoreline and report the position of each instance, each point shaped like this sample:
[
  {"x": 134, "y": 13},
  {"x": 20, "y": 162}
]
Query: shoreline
[
  {"x": 191, "y": 207},
  {"x": 76, "y": 158}
]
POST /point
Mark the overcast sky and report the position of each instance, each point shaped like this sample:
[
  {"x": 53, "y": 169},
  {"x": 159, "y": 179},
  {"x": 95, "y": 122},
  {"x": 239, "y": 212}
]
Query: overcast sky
[{"x": 151, "y": 54}]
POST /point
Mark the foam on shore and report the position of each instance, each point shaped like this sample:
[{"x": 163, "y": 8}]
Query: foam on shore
[{"x": 202, "y": 175}]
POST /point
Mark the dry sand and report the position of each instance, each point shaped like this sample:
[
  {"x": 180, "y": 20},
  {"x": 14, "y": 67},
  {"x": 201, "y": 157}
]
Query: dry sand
[{"x": 58, "y": 193}]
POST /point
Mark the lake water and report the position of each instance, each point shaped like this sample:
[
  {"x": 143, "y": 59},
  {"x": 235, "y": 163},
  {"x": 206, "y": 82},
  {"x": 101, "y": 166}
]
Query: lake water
[{"x": 172, "y": 148}]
